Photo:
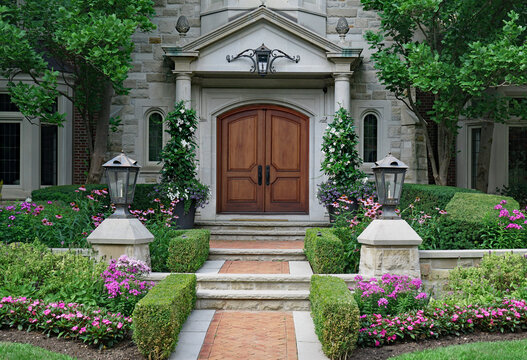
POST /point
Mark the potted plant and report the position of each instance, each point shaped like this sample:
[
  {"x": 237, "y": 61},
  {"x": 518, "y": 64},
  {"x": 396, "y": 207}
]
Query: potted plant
[
  {"x": 341, "y": 161},
  {"x": 179, "y": 173}
]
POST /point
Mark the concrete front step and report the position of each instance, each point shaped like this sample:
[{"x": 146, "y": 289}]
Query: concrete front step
[
  {"x": 258, "y": 230},
  {"x": 283, "y": 282},
  {"x": 253, "y": 300},
  {"x": 257, "y": 254}
]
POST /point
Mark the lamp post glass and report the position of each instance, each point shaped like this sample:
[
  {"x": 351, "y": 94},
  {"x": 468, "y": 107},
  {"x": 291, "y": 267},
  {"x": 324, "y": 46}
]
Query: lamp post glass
[
  {"x": 389, "y": 178},
  {"x": 121, "y": 173}
]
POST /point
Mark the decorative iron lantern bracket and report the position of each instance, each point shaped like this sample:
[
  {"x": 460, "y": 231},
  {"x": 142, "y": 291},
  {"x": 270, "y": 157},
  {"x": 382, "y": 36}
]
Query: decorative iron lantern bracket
[{"x": 263, "y": 58}]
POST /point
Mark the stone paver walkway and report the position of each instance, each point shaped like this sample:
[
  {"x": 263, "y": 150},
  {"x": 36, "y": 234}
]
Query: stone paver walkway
[
  {"x": 253, "y": 244},
  {"x": 255, "y": 267},
  {"x": 250, "y": 335}
]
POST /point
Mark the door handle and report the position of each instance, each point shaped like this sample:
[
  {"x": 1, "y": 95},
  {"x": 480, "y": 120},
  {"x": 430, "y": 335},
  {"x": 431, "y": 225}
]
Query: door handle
[
  {"x": 267, "y": 174},
  {"x": 259, "y": 174}
]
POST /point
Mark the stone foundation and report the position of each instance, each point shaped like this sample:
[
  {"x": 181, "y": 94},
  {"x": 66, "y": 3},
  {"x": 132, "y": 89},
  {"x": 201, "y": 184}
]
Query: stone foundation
[{"x": 378, "y": 260}]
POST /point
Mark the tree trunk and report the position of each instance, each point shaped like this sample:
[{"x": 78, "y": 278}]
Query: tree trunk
[
  {"x": 485, "y": 151},
  {"x": 101, "y": 136},
  {"x": 445, "y": 139}
]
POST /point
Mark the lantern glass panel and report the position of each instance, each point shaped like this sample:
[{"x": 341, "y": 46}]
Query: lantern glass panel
[
  {"x": 390, "y": 185},
  {"x": 262, "y": 61},
  {"x": 117, "y": 181},
  {"x": 379, "y": 183},
  {"x": 399, "y": 179},
  {"x": 132, "y": 179}
]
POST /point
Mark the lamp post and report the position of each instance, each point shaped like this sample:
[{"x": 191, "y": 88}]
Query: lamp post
[
  {"x": 121, "y": 172},
  {"x": 389, "y": 178},
  {"x": 121, "y": 233},
  {"x": 389, "y": 244}
]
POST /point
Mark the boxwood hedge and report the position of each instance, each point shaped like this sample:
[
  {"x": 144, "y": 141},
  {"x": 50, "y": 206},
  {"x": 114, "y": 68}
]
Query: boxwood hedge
[
  {"x": 187, "y": 251},
  {"x": 325, "y": 251}
]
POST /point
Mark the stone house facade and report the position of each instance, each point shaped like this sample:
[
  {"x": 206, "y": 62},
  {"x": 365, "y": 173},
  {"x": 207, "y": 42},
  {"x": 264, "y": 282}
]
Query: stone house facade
[{"x": 247, "y": 121}]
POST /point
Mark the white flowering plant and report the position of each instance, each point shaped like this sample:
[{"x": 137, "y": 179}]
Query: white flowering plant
[
  {"x": 341, "y": 160},
  {"x": 179, "y": 172}
]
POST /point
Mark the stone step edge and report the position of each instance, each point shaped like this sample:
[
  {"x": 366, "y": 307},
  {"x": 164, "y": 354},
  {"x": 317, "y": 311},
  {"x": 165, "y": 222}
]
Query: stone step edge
[
  {"x": 158, "y": 276},
  {"x": 306, "y": 224},
  {"x": 286, "y": 278},
  {"x": 253, "y": 294},
  {"x": 260, "y": 233},
  {"x": 223, "y": 251}
]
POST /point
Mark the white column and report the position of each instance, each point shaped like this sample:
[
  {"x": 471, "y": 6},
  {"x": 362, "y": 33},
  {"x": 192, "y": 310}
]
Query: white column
[
  {"x": 342, "y": 91},
  {"x": 183, "y": 87}
]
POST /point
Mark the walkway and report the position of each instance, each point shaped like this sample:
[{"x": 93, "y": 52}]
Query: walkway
[{"x": 233, "y": 330}]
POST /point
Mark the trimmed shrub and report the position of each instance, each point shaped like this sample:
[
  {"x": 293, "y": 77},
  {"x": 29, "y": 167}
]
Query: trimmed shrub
[
  {"x": 335, "y": 315},
  {"x": 159, "y": 316},
  {"x": 325, "y": 252},
  {"x": 432, "y": 196},
  {"x": 188, "y": 251},
  {"x": 475, "y": 207},
  {"x": 159, "y": 247},
  {"x": 66, "y": 193}
]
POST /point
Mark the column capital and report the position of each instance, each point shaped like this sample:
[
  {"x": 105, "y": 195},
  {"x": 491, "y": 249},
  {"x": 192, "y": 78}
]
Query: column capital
[{"x": 342, "y": 76}]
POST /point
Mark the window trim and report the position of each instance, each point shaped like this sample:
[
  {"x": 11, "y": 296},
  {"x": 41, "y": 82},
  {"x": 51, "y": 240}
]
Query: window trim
[
  {"x": 377, "y": 114},
  {"x": 470, "y": 128}
]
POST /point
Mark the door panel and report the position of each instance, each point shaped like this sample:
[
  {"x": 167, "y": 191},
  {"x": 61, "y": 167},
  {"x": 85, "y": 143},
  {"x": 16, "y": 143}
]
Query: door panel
[
  {"x": 240, "y": 154},
  {"x": 287, "y": 156},
  {"x": 269, "y": 141}
]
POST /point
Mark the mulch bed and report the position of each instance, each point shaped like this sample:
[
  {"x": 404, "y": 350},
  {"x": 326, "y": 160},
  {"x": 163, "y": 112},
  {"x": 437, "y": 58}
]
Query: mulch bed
[
  {"x": 126, "y": 349},
  {"x": 386, "y": 352}
]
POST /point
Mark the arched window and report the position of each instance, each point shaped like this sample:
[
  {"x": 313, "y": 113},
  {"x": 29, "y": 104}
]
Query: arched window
[
  {"x": 369, "y": 139},
  {"x": 155, "y": 136}
]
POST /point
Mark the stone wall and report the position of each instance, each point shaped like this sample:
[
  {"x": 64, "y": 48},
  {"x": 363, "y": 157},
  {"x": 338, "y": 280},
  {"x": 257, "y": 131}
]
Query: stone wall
[{"x": 436, "y": 264}]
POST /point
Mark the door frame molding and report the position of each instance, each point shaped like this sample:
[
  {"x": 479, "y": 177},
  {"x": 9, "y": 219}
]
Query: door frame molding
[{"x": 259, "y": 106}]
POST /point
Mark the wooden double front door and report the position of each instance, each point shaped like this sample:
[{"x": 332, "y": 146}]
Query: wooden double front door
[{"x": 263, "y": 161}]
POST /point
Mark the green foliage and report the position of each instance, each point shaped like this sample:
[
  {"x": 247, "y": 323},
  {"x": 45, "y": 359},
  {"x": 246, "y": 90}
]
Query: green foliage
[
  {"x": 159, "y": 247},
  {"x": 472, "y": 208},
  {"x": 178, "y": 175},
  {"x": 159, "y": 316},
  {"x": 31, "y": 270},
  {"x": 188, "y": 251},
  {"x": 472, "y": 351},
  {"x": 496, "y": 277},
  {"x": 143, "y": 199},
  {"x": 13, "y": 351},
  {"x": 325, "y": 252},
  {"x": 339, "y": 146},
  {"x": 348, "y": 237},
  {"x": 335, "y": 315},
  {"x": 517, "y": 191},
  {"x": 431, "y": 196}
]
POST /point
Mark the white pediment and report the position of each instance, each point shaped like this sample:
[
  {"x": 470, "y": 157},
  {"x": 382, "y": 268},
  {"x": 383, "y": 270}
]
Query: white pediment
[{"x": 208, "y": 53}]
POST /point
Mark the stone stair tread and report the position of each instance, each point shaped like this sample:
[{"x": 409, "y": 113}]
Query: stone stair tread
[
  {"x": 253, "y": 277},
  {"x": 263, "y": 223},
  {"x": 223, "y": 251},
  {"x": 252, "y": 294},
  {"x": 252, "y": 233}
]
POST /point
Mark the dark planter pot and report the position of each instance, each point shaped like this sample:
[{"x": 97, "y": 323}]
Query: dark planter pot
[{"x": 185, "y": 220}]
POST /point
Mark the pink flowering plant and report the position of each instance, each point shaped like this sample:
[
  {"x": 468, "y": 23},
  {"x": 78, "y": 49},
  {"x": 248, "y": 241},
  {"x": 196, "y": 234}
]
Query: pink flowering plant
[
  {"x": 390, "y": 295},
  {"x": 53, "y": 222},
  {"x": 123, "y": 283},
  {"x": 69, "y": 320},
  {"x": 505, "y": 229},
  {"x": 509, "y": 315}
]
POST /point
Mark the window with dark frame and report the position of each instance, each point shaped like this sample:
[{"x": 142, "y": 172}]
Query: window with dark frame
[
  {"x": 369, "y": 138},
  {"x": 517, "y": 155},
  {"x": 6, "y": 104},
  {"x": 155, "y": 136},
  {"x": 48, "y": 154},
  {"x": 475, "y": 140},
  {"x": 10, "y": 153}
]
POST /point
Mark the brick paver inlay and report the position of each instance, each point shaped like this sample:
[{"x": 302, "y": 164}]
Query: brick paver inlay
[
  {"x": 255, "y": 267},
  {"x": 250, "y": 335},
  {"x": 254, "y": 244}
]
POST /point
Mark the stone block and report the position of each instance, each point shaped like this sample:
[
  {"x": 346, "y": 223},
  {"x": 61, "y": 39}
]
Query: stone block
[
  {"x": 156, "y": 77},
  {"x": 346, "y": 12},
  {"x": 378, "y": 95},
  {"x": 425, "y": 270},
  {"x": 444, "y": 263},
  {"x": 438, "y": 274}
]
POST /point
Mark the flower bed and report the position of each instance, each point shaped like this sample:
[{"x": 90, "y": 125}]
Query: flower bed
[
  {"x": 377, "y": 330},
  {"x": 71, "y": 320}
]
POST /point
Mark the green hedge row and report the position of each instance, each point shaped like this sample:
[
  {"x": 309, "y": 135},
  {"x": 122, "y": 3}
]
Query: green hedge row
[
  {"x": 188, "y": 251},
  {"x": 159, "y": 316},
  {"x": 432, "y": 196},
  {"x": 67, "y": 194},
  {"x": 335, "y": 315},
  {"x": 325, "y": 251},
  {"x": 475, "y": 207}
]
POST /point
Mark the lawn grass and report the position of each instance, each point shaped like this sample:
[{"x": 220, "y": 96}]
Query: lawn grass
[
  {"x": 15, "y": 351},
  {"x": 502, "y": 350}
]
